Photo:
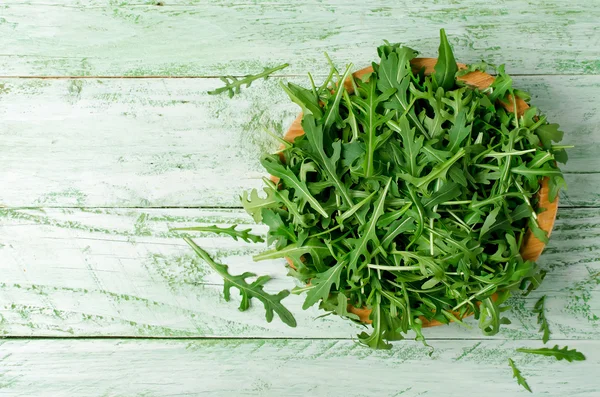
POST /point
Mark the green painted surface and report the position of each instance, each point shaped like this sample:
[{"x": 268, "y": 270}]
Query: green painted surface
[
  {"x": 122, "y": 142},
  {"x": 255, "y": 367},
  {"x": 121, "y": 272},
  {"x": 96, "y": 162},
  {"x": 204, "y": 38}
]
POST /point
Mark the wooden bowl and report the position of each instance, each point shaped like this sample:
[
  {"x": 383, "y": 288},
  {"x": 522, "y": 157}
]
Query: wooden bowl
[{"x": 532, "y": 247}]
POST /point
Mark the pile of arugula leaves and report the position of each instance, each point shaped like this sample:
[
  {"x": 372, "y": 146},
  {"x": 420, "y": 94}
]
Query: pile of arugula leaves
[{"x": 409, "y": 196}]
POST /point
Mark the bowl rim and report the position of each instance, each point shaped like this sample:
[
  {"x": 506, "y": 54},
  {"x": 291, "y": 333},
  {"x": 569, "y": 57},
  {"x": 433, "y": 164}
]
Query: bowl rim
[{"x": 532, "y": 247}]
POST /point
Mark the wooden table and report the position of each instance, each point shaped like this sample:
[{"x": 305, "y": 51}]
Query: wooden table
[{"x": 108, "y": 139}]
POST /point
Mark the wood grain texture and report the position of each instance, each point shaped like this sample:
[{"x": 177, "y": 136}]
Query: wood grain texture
[
  {"x": 224, "y": 368},
  {"x": 88, "y": 272},
  {"x": 205, "y": 38},
  {"x": 165, "y": 142},
  {"x": 118, "y": 272}
]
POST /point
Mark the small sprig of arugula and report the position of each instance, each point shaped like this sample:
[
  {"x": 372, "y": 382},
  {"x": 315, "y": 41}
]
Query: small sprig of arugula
[
  {"x": 565, "y": 353},
  {"x": 233, "y": 85},
  {"x": 409, "y": 196}
]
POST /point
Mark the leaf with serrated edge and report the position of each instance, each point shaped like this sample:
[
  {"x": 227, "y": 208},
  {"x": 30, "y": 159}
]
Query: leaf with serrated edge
[
  {"x": 230, "y": 231},
  {"x": 556, "y": 352},
  {"x": 272, "y": 303},
  {"x": 517, "y": 374}
]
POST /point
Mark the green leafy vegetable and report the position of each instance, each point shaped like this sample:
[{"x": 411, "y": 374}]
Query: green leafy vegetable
[
  {"x": 445, "y": 68},
  {"x": 231, "y": 231},
  {"x": 320, "y": 287},
  {"x": 255, "y": 289},
  {"x": 233, "y": 84},
  {"x": 541, "y": 318},
  {"x": 517, "y": 374},
  {"x": 254, "y": 204},
  {"x": 556, "y": 352},
  {"x": 409, "y": 195}
]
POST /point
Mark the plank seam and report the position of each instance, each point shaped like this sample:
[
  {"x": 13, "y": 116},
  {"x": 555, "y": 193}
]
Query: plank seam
[
  {"x": 73, "y": 77},
  {"x": 274, "y": 338},
  {"x": 186, "y": 207}
]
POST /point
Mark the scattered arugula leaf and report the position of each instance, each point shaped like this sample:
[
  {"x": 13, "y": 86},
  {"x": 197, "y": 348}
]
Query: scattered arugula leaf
[
  {"x": 541, "y": 318},
  {"x": 517, "y": 374},
  {"x": 556, "y": 352},
  {"x": 255, "y": 289},
  {"x": 230, "y": 231},
  {"x": 234, "y": 84}
]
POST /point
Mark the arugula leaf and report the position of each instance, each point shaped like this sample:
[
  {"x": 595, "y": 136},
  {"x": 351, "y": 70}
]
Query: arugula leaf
[
  {"x": 254, "y": 204},
  {"x": 556, "y": 352},
  {"x": 489, "y": 222},
  {"x": 320, "y": 287},
  {"x": 272, "y": 303},
  {"x": 298, "y": 219},
  {"x": 549, "y": 133},
  {"x": 278, "y": 230},
  {"x": 501, "y": 86},
  {"x": 367, "y": 102},
  {"x": 394, "y": 72},
  {"x": 533, "y": 174},
  {"x": 233, "y": 85},
  {"x": 313, "y": 247},
  {"x": 447, "y": 192},
  {"x": 541, "y": 318},
  {"x": 517, "y": 374},
  {"x": 306, "y": 99},
  {"x": 438, "y": 172},
  {"x": 402, "y": 225},
  {"x": 377, "y": 339},
  {"x": 411, "y": 145},
  {"x": 338, "y": 304},
  {"x": 328, "y": 164},
  {"x": 368, "y": 231},
  {"x": 231, "y": 231},
  {"x": 445, "y": 68},
  {"x": 459, "y": 131},
  {"x": 275, "y": 168},
  {"x": 332, "y": 111}
]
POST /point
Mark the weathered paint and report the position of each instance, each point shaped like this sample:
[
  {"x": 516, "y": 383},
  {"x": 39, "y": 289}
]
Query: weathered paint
[
  {"x": 76, "y": 142},
  {"x": 165, "y": 142},
  {"x": 82, "y": 272},
  {"x": 204, "y": 38},
  {"x": 296, "y": 368}
]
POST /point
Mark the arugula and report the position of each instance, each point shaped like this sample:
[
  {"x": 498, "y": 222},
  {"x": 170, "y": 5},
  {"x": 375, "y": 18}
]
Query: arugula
[
  {"x": 230, "y": 231},
  {"x": 233, "y": 84},
  {"x": 556, "y": 352},
  {"x": 272, "y": 303},
  {"x": 408, "y": 195},
  {"x": 541, "y": 318},
  {"x": 301, "y": 191},
  {"x": 320, "y": 287},
  {"x": 517, "y": 374},
  {"x": 254, "y": 204},
  {"x": 445, "y": 69}
]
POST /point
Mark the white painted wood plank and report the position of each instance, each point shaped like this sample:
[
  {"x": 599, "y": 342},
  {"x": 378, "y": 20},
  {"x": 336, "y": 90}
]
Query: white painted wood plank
[
  {"x": 183, "y": 38},
  {"x": 70, "y": 272},
  {"x": 159, "y": 368},
  {"x": 165, "y": 142}
]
